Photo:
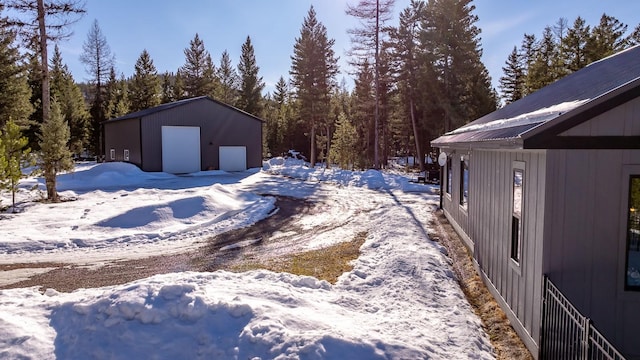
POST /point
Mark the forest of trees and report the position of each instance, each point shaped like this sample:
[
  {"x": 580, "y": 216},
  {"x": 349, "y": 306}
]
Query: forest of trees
[{"x": 415, "y": 78}]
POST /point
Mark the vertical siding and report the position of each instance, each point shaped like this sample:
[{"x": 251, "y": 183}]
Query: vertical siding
[
  {"x": 488, "y": 224},
  {"x": 120, "y": 135},
  {"x": 219, "y": 126},
  {"x": 619, "y": 121},
  {"x": 585, "y": 239}
]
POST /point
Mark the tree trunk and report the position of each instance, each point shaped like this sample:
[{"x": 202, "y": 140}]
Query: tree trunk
[
  {"x": 376, "y": 160},
  {"x": 49, "y": 174},
  {"x": 416, "y": 135}
]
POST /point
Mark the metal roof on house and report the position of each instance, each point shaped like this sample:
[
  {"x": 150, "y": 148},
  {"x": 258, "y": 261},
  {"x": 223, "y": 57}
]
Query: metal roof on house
[
  {"x": 167, "y": 106},
  {"x": 567, "y": 102}
]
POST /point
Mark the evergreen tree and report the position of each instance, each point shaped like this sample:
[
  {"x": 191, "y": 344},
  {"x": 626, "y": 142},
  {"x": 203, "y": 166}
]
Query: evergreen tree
[
  {"x": 15, "y": 93},
  {"x": 373, "y": 14},
  {"x": 450, "y": 35},
  {"x": 406, "y": 40},
  {"x": 198, "y": 72},
  {"x": 634, "y": 37},
  {"x": 99, "y": 61},
  {"x": 116, "y": 98},
  {"x": 363, "y": 115},
  {"x": 228, "y": 89},
  {"x": 15, "y": 155},
  {"x": 145, "y": 88},
  {"x": 343, "y": 144},
  {"x": 513, "y": 82},
  {"x": 72, "y": 105},
  {"x": 542, "y": 70},
  {"x": 607, "y": 38},
  {"x": 575, "y": 45},
  {"x": 250, "y": 94},
  {"x": 313, "y": 70},
  {"x": 277, "y": 119},
  {"x": 43, "y": 22},
  {"x": 55, "y": 156},
  {"x": 178, "y": 86},
  {"x": 168, "y": 94}
]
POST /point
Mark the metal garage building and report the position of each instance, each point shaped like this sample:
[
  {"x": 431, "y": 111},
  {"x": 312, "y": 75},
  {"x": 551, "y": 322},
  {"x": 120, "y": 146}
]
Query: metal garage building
[{"x": 186, "y": 136}]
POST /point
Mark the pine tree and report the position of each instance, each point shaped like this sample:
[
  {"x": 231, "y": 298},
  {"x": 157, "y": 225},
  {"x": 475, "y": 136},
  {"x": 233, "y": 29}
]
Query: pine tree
[
  {"x": 513, "y": 82},
  {"x": 55, "y": 156},
  {"x": 575, "y": 45},
  {"x": 72, "y": 105},
  {"x": 198, "y": 72},
  {"x": 313, "y": 70},
  {"x": 251, "y": 85},
  {"x": 363, "y": 115},
  {"x": 43, "y": 22},
  {"x": 178, "y": 87},
  {"x": 634, "y": 38},
  {"x": 277, "y": 119},
  {"x": 228, "y": 89},
  {"x": 343, "y": 144},
  {"x": 451, "y": 38},
  {"x": 607, "y": 38},
  {"x": 542, "y": 70},
  {"x": 407, "y": 52},
  {"x": 145, "y": 88},
  {"x": 116, "y": 98},
  {"x": 99, "y": 61},
  {"x": 14, "y": 89},
  {"x": 373, "y": 14},
  {"x": 15, "y": 155},
  {"x": 168, "y": 94}
]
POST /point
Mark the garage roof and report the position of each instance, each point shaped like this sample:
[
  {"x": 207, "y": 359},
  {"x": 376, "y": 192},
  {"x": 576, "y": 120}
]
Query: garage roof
[
  {"x": 171, "y": 105},
  {"x": 534, "y": 120}
]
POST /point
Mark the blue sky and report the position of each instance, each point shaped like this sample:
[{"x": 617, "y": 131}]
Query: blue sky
[{"x": 165, "y": 27}]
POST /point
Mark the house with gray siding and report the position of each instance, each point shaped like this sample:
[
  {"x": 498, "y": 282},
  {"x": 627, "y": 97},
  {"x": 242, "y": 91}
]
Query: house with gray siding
[
  {"x": 186, "y": 136},
  {"x": 549, "y": 187}
]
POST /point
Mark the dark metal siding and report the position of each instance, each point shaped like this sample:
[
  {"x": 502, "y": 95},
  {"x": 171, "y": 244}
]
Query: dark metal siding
[
  {"x": 122, "y": 135},
  {"x": 585, "y": 238},
  {"x": 219, "y": 126}
]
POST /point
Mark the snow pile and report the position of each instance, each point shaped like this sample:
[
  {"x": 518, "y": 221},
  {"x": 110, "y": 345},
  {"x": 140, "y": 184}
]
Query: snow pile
[
  {"x": 401, "y": 300},
  {"x": 370, "y": 179},
  {"x": 534, "y": 117}
]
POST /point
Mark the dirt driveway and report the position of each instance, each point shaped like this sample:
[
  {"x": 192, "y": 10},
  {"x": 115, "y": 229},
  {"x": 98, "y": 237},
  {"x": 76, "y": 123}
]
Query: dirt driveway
[{"x": 274, "y": 236}]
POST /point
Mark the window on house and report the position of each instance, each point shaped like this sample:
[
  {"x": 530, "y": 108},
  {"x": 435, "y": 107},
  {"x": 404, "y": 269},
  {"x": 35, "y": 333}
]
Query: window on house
[
  {"x": 516, "y": 216},
  {"x": 112, "y": 154},
  {"x": 464, "y": 181},
  {"x": 632, "y": 278},
  {"x": 449, "y": 175},
  {"x": 126, "y": 155}
]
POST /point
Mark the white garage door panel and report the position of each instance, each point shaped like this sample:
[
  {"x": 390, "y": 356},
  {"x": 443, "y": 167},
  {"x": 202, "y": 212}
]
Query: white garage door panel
[
  {"x": 180, "y": 149},
  {"x": 233, "y": 158}
]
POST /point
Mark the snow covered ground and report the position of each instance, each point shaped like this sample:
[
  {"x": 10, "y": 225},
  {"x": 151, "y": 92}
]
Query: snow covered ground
[{"x": 401, "y": 300}]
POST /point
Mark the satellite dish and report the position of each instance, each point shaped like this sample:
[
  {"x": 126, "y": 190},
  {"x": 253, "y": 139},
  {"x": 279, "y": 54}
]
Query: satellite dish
[{"x": 442, "y": 159}]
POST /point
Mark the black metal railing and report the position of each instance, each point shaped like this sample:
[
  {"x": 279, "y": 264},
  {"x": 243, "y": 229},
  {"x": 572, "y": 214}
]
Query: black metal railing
[{"x": 567, "y": 334}]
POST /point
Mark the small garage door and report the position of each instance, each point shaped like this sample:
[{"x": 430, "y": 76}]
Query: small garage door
[
  {"x": 233, "y": 158},
  {"x": 180, "y": 149}
]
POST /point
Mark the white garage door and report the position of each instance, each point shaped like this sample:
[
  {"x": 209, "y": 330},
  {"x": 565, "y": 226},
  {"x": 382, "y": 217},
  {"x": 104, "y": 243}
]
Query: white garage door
[
  {"x": 180, "y": 149},
  {"x": 233, "y": 158}
]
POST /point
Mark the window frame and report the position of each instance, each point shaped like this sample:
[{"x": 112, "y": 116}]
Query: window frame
[
  {"x": 449, "y": 174},
  {"x": 627, "y": 219},
  {"x": 112, "y": 154},
  {"x": 464, "y": 167},
  {"x": 517, "y": 237},
  {"x": 125, "y": 154}
]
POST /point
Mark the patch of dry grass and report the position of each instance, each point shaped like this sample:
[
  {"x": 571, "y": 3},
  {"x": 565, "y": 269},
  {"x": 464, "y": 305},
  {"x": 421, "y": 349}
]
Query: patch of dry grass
[
  {"x": 325, "y": 264},
  {"x": 503, "y": 337}
]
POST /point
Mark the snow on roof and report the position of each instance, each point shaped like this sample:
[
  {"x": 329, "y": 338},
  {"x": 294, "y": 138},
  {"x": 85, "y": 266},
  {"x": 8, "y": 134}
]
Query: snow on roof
[{"x": 538, "y": 116}]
